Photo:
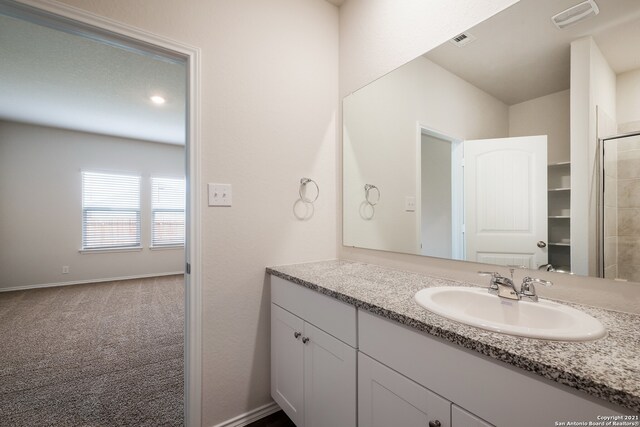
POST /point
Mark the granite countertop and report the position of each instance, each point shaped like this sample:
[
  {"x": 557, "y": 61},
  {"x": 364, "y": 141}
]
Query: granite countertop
[{"x": 608, "y": 368}]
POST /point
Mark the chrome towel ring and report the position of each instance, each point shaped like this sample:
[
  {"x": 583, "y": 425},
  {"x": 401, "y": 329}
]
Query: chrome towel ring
[
  {"x": 303, "y": 186},
  {"x": 368, "y": 189}
]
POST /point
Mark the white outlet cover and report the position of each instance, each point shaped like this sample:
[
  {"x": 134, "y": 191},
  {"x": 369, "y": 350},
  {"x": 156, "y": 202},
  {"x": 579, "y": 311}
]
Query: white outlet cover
[
  {"x": 410, "y": 204},
  {"x": 220, "y": 194}
]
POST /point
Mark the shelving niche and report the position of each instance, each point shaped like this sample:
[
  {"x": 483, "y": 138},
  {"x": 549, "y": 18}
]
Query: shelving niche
[{"x": 559, "y": 211}]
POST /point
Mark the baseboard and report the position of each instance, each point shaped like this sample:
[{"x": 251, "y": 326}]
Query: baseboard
[
  {"x": 251, "y": 416},
  {"x": 82, "y": 282}
]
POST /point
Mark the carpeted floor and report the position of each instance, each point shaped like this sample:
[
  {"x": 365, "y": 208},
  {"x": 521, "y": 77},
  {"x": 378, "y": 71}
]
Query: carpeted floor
[{"x": 102, "y": 354}]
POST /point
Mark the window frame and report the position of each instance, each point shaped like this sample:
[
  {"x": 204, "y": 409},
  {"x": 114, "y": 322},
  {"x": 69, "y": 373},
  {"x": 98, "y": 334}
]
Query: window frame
[
  {"x": 152, "y": 244},
  {"x": 136, "y": 246}
]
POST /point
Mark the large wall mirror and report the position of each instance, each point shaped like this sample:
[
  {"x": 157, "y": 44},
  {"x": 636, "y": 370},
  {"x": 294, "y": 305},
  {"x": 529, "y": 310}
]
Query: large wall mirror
[{"x": 514, "y": 143}]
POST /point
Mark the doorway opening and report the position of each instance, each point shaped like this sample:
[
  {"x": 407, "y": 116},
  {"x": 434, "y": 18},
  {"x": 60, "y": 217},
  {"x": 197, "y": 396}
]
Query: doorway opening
[
  {"x": 440, "y": 190},
  {"x": 152, "y": 221}
]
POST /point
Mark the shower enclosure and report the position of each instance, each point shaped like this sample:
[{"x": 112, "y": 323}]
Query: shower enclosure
[{"x": 620, "y": 207}]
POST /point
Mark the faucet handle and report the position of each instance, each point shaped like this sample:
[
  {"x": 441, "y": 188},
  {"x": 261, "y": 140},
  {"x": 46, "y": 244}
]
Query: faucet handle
[
  {"x": 528, "y": 290},
  {"x": 530, "y": 280}
]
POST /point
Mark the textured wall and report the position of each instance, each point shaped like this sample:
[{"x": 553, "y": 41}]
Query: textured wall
[{"x": 269, "y": 98}]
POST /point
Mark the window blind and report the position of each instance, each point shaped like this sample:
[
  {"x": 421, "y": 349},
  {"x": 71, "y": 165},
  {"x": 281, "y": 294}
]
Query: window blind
[
  {"x": 167, "y": 211},
  {"x": 110, "y": 211}
]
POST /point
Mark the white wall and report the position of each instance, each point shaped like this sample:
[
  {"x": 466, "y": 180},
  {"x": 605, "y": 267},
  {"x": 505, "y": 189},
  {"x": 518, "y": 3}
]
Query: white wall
[
  {"x": 628, "y": 101},
  {"x": 593, "y": 89},
  {"x": 269, "y": 98},
  {"x": 41, "y": 204},
  {"x": 547, "y": 115},
  {"x": 381, "y": 141}
]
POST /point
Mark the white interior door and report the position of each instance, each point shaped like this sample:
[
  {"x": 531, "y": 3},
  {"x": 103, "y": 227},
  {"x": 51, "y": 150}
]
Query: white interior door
[{"x": 505, "y": 200}]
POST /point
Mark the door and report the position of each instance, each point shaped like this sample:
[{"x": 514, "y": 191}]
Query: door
[
  {"x": 386, "y": 398},
  {"x": 505, "y": 200},
  {"x": 462, "y": 418},
  {"x": 287, "y": 363},
  {"x": 329, "y": 380}
]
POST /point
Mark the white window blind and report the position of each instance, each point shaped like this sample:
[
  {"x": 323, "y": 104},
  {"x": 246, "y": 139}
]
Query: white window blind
[
  {"x": 167, "y": 211},
  {"x": 110, "y": 211}
]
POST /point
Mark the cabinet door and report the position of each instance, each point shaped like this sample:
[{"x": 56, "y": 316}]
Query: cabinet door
[
  {"x": 329, "y": 380},
  {"x": 287, "y": 371},
  {"x": 386, "y": 398},
  {"x": 462, "y": 418}
]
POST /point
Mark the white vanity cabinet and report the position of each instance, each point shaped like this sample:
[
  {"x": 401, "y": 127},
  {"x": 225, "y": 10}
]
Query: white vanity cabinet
[
  {"x": 313, "y": 356},
  {"x": 482, "y": 391}
]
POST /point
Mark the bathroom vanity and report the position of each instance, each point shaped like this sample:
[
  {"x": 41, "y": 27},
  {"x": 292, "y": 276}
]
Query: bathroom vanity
[{"x": 350, "y": 346}]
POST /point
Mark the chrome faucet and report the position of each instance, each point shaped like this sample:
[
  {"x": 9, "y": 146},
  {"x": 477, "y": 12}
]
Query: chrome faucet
[
  {"x": 505, "y": 288},
  {"x": 528, "y": 290},
  {"x": 501, "y": 286}
]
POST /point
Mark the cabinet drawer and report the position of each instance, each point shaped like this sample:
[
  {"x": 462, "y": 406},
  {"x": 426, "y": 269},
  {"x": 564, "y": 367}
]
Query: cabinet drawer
[{"x": 330, "y": 315}]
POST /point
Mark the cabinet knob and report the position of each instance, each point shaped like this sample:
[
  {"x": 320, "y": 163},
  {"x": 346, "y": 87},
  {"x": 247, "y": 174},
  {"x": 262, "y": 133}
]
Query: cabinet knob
[
  {"x": 435, "y": 423},
  {"x": 305, "y": 340},
  {"x": 297, "y": 334}
]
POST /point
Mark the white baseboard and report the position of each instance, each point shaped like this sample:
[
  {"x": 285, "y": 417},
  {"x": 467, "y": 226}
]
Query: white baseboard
[
  {"x": 251, "y": 416},
  {"x": 82, "y": 282}
]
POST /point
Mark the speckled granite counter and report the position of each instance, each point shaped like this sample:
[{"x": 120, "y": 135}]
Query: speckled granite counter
[{"x": 608, "y": 368}]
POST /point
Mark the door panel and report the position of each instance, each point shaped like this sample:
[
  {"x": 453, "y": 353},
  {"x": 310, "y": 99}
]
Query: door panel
[
  {"x": 287, "y": 370},
  {"x": 386, "y": 398},
  {"x": 505, "y": 193},
  {"x": 329, "y": 380}
]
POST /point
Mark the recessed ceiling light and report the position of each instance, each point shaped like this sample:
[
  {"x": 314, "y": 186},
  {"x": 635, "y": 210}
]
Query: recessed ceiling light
[{"x": 157, "y": 99}]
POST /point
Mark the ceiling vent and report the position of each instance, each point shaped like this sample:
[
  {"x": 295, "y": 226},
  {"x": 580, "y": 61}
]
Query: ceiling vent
[
  {"x": 462, "y": 39},
  {"x": 575, "y": 14}
]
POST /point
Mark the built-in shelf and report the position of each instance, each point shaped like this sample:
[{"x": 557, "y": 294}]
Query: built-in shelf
[{"x": 559, "y": 215}]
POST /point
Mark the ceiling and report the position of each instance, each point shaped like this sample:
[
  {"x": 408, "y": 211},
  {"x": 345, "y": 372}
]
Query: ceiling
[
  {"x": 520, "y": 55},
  {"x": 54, "y": 78}
]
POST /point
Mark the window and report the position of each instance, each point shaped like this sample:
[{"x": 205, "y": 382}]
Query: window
[
  {"x": 110, "y": 211},
  {"x": 167, "y": 212}
]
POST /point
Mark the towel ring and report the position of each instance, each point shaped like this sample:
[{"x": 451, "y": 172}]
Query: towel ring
[
  {"x": 303, "y": 184},
  {"x": 367, "y": 193}
]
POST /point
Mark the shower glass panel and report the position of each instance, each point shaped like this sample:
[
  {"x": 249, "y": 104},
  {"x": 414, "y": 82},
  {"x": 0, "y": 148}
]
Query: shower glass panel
[{"x": 621, "y": 208}]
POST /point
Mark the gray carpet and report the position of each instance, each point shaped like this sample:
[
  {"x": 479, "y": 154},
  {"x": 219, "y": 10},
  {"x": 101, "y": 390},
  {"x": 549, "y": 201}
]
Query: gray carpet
[{"x": 102, "y": 354}]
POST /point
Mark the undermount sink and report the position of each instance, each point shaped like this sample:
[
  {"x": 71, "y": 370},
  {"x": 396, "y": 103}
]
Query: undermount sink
[{"x": 542, "y": 319}]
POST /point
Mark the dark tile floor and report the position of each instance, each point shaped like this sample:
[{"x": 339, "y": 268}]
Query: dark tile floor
[{"x": 279, "y": 419}]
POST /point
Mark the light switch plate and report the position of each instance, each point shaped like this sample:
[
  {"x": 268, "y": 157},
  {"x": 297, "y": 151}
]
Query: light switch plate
[
  {"x": 410, "y": 204},
  {"x": 220, "y": 194}
]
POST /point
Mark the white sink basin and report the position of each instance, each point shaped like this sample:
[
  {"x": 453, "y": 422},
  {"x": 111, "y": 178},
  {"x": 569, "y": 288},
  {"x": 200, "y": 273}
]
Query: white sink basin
[{"x": 542, "y": 319}]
